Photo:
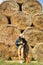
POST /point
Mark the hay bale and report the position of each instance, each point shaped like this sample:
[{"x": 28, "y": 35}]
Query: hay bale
[
  {"x": 9, "y": 34},
  {"x": 3, "y": 19},
  {"x": 38, "y": 20},
  {"x": 21, "y": 20},
  {"x": 13, "y": 52},
  {"x": 32, "y": 55},
  {"x": 13, "y": 35},
  {"x": 33, "y": 36},
  {"x": 32, "y": 7},
  {"x": 4, "y": 51},
  {"x": 9, "y": 8}
]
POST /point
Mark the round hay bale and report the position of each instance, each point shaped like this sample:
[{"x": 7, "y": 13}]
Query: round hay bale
[
  {"x": 3, "y": 19},
  {"x": 21, "y": 20},
  {"x": 32, "y": 55},
  {"x": 4, "y": 51},
  {"x": 38, "y": 21},
  {"x": 32, "y": 7},
  {"x": 9, "y": 8},
  {"x": 13, "y": 35},
  {"x": 9, "y": 34},
  {"x": 33, "y": 36}
]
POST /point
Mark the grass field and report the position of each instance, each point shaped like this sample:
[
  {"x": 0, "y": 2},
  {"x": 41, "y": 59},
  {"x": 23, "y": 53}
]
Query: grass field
[{"x": 15, "y": 63}]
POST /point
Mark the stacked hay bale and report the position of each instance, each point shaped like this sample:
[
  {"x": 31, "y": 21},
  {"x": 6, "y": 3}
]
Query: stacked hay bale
[
  {"x": 8, "y": 35},
  {"x": 20, "y": 16},
  {"x": 32, "y": 7},
  {"x": 33, "y": 36},
  {"x": 38, "y": 23},
  {"x": 21, "y": 20},
  {"x": 9, "y": 8}
]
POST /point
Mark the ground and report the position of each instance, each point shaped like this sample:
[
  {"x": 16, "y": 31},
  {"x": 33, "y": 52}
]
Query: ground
[{"x": 15, "y": 63}]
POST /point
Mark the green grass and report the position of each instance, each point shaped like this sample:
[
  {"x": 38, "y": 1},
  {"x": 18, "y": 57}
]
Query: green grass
[{"x": 15, "y": 63}]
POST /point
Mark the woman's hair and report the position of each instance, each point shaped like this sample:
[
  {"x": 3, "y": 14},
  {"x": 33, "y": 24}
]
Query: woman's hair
[{"x": 20, "y": 38}]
